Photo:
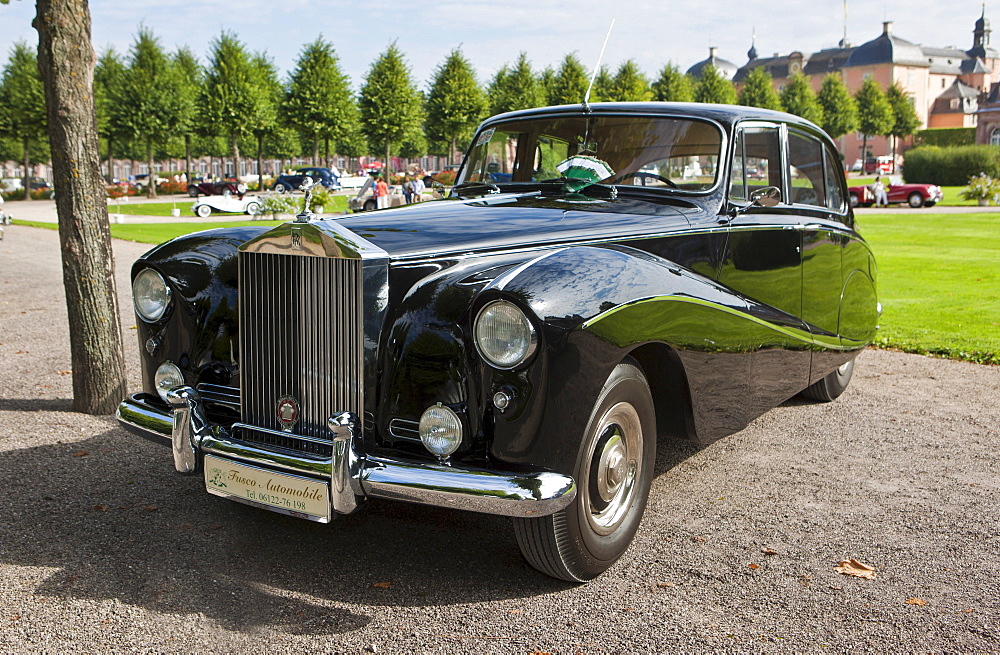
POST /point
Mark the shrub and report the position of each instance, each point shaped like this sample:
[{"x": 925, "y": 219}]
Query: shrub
[
  {"x": 277, "y": 203},
  {"x": 950, "y": 166},
  {"x": 946, "y": 136},
  {"x": 982, "y": 187},
  {"x": 322, "y": 196}
]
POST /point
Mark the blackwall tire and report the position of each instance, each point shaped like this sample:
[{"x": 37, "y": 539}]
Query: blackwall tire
[
  {"x": 854, "y": 199},
  {"x": 834, "y": 384},
  {"x": 193, "y": 191},
  {"x": 613, "y": 473},
  {"x": 915, "y": 200}
]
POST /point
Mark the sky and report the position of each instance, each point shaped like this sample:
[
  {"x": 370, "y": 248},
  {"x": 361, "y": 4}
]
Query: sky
[{"x": 492, "y": 33}]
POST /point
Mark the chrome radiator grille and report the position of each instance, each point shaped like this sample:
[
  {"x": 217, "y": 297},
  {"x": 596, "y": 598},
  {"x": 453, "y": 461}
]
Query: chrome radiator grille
[{"x": 301, "y": 335}]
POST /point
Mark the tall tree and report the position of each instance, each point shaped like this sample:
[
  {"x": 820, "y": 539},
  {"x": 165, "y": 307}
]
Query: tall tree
[
  {"x": 107, "y": 74},
  {"x": 672, "y": 86},
  {"x": 798, "y": 98},
  {"x": 546, "y": 83},
  {"x": 514, "y": 88},
  {"x": 22, "y": 97},
  {"x": 758, "y": 90},
  {"x": 629, "y": 84},
  {"x": 389, "y": 102},
  {"x": 874, "y": 112},
  {"x": 455, "y": 104},
  {"x": 144, "y": 104},
  {"x": 569, "y": 83},
  {"x": 840, "y": 112},
  {"x": 905, "y": 119},
  {"x": 189, "y": 77},
  {"x": 66, "y": 61},
  {"x": 319, "y": 104},
  {"x": 265, "y": 120},
  {"x": 713, "y": 87},
  {"x": 231, "y": 98}
]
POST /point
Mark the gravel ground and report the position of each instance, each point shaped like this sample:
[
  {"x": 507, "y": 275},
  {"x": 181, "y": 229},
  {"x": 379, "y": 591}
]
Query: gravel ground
[{"x": 104, "y": 548}]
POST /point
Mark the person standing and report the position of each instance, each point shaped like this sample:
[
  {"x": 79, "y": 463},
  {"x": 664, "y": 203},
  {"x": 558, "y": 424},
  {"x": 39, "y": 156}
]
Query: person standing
[
  {"x": 417, "y": 188},
  {"x": 878, "y": 190},
  {"x": 381, "y": 193},
  {"x": 407, "y": 189}
]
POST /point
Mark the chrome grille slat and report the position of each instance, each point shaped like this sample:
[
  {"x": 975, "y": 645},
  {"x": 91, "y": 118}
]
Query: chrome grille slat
[{"x": 301, "y": 334}]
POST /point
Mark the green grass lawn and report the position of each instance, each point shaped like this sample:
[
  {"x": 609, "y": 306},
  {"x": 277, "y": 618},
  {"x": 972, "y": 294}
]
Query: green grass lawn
[
  {"x": 939, "y": 279},
  {"x": 159, "y": 232},
  {"x": 939, "y": 282}
]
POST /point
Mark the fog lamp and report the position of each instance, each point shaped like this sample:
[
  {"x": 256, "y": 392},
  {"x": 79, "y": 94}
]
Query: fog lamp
[
  {"x": 167, "y": 377},
  {"x": 440, "y": 430}
]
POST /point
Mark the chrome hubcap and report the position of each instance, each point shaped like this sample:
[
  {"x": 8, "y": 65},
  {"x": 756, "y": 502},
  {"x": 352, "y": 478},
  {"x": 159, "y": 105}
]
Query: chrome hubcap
[{"x": 613, "y": 469}]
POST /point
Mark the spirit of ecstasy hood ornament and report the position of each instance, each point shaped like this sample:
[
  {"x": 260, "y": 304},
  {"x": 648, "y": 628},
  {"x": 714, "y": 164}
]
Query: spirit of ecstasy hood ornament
[{"x": 306, "y": 214}]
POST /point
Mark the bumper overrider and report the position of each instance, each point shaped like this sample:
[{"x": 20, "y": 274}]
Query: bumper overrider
[{"x": 348, "y": 476}]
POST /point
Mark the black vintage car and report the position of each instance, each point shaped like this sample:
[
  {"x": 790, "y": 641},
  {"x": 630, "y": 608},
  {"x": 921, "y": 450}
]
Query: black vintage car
[{"x": 599, "y": 274}]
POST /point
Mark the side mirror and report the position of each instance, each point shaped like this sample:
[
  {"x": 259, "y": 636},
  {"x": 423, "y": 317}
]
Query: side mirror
[{"x": 769, "y": 196}]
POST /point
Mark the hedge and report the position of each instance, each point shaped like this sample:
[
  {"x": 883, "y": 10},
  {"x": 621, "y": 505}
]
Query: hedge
[
  {"x": 945, "y": 137},
  {"x": 950, "y": 166}
]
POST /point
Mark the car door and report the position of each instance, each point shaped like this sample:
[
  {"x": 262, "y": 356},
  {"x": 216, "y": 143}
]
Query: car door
[{"x": 763, "y": 261}]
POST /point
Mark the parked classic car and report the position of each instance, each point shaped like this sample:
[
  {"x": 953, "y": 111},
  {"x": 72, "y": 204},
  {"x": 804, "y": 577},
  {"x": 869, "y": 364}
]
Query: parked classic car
[
  {"x": 288, "y": 182},
  {"x": 517, "y": 347},
  {"x": 915, "y": 195},
  {"x": 220, "y": 188},
  {"x": 364, "y": 200},
  {"x": 239, "y": 204}
]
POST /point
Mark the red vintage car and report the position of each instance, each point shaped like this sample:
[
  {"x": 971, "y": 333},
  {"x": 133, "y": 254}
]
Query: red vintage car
[{"x": 915, "y": 195}]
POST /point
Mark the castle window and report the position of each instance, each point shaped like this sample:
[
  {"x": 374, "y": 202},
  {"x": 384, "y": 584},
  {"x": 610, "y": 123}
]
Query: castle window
[{"x": 995, "y": 137}]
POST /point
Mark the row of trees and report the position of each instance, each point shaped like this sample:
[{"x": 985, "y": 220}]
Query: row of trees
[{"x": 152, "y": 104}]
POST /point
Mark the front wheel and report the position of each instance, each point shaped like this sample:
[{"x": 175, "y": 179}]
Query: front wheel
[
  {"x": 253, "y": 208},
  {"x": 855, "y": 201},
  {"x": 203, "y": 210},
  {"x": 614, "y": 470},
  {"x": 834, "y": 384},
  {"x": 193, "y": 191},
  {"x": 281, "y": 188},
  {"x": 915, "y": 200}
]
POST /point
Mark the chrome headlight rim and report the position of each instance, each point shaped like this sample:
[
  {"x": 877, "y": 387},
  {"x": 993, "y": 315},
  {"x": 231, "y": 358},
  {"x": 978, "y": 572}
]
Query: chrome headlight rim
[
  {"x": 531, "y": 345},
  {"x": 167, "y": 300}
]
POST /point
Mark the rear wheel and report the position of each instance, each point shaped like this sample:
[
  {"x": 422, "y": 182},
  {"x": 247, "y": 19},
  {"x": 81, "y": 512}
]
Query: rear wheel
[
  {"x": 830, "y": 387},
  {"x": 915, "y": 200},
  {"x": 369, "y": 205},
  {"x": 253, "y": 208},
  {"x": 193, "y": 191},
  {"x": 613, "y": 473},
  {"x": 281, "y": 188}
]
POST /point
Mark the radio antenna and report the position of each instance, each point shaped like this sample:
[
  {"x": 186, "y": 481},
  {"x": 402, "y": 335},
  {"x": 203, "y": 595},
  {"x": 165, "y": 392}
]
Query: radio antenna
[{"x": 597, "y": 67}]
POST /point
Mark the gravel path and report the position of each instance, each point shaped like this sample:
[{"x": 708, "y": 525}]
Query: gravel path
[{"x": 104, "y": 548}]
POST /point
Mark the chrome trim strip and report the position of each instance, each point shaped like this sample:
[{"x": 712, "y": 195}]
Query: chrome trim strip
[
  {"x": 353, "y": 475},
  {"x": 475, "y": 490}
]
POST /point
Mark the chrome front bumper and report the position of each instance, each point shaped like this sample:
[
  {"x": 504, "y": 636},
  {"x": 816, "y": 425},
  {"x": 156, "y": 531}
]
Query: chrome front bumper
[{"x": 353, "y": 476}]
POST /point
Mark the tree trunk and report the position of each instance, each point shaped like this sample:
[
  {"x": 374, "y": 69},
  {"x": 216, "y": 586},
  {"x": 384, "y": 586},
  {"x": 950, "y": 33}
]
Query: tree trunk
[
  {"x": 451, "y": 152},
  {"x": 111, "y": 160},
  {"x": 326, "y": 151},
  {"x": 27, "y": 167},
  {"x": 66, "y": 61},
  {"x": 151, "y": 176},
  {"x": 260, "y": 163},
  {"x": 385, "y": 164},
  {"x": 315, "y": 151},
  {"x": 187, "y": 159},
  {"x": 236, "y": 155}
]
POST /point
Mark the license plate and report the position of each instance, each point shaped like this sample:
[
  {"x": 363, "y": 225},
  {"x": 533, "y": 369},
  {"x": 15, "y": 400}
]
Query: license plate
[{"x": 279, "y": 492}]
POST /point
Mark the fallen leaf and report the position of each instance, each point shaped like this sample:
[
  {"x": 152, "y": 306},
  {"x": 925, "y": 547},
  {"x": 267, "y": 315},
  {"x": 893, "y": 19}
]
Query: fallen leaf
[
  {"x": 768, "y": 551},
  {"x": 382, "y": 585},
  {"x": 100, "y": 508},
  {"x": 964, "y": 612},
  {"x": 916, "y": 601},
  {"x": 81, "y": 453},
  {"x": 855, "y": 568},
  {"x": 666, "y": 584},
  {"x": 754, "y": 566},
  {"x": 514, "y": 611},
  {"x": 806, "y": 580},
  {"x": 699, "y": 539},
  {"x": 149, "y": 508},
  {"x": 65, "y": 372}
]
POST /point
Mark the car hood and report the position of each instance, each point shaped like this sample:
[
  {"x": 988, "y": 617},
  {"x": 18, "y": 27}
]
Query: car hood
[{"x": 500, "y": 222}]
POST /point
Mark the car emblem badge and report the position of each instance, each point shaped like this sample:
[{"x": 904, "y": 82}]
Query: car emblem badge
[
  {"x": 296, "y": 237},
  {"x": 287, "y": 411}
]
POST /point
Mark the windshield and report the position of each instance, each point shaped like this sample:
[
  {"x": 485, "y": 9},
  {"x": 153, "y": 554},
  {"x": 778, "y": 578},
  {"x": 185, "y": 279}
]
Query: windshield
[{"x": 643, "y": 151}]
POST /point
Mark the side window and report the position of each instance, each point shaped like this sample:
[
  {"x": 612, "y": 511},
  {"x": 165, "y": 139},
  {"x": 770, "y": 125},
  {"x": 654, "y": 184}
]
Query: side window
[
  {"x": 834, "y": 190},
  {"x": 756, "y": 161},
  {"x": 737, "y": 178},
  {"x": 805, "y": 159}
]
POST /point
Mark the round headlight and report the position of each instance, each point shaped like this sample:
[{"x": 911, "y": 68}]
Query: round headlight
[
  {"x": 167, "y": 377},
  {"x": 440, "y": 430},
  {"x": 150, "y": 295},
  {"x": 504, "y": 335}
]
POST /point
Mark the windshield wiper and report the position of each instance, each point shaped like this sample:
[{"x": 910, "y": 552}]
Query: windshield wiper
[{"x": 490, "y": 187}]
